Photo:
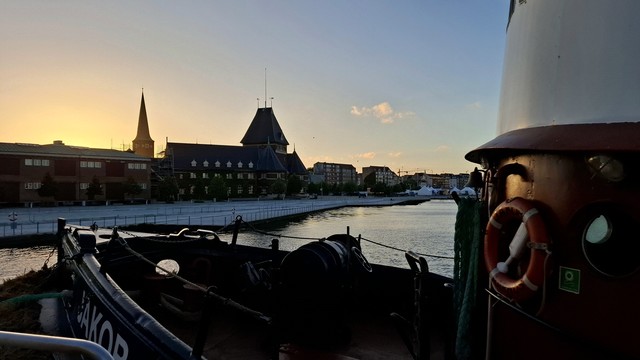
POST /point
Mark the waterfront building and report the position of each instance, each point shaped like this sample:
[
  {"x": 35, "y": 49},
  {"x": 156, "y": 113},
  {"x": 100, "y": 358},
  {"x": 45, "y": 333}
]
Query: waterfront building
[
  {"x": 381, "y": 174},
  {"x": 247, "y": 171},
  {"x": 335, "y": 174},
  {"x": 71, "y": 171}
]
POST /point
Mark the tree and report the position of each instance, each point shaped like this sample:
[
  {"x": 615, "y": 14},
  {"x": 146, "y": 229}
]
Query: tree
[
  {"x": 314, "y": 188},
  {"x": 370, "y": 180},
  {"x": 94, "y": 188},
  {"x": 278, "y": 187},
  {"x": 131, "y": 187},
  {"x": 350, "y": 187},
  {"x": 218, "y": 188},
  {"x": 49, "y": 188},
  {"x": 294, "y": 185},
  {"x": 199, "y": 191},
  {"x": 168, "y": 189}
]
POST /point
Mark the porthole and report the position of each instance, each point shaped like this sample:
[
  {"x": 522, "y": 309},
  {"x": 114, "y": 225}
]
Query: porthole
[{"x": 609, "y": 244}]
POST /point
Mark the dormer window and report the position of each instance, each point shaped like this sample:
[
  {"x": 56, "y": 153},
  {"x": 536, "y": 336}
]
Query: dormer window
[
  {"x": 217, "y": 163},
  {"x": 251, "y": 165},
  {"x": 228, "y": 164},
  {"x": 194, "y": 163},
  {"x": 239, "y": 164},
  {"x": 205, "y": 163}
]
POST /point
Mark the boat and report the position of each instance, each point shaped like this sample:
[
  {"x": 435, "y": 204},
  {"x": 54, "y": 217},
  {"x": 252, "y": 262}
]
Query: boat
[
  {"x": 192, "y": 295},
  {"x": 546, "y": 257}
]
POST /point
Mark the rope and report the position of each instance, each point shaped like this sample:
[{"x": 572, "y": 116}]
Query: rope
[
  {"x": 467, "y": 244},
  {"x": 208, "y": 291},
  {"x": 321, "y": 239}
]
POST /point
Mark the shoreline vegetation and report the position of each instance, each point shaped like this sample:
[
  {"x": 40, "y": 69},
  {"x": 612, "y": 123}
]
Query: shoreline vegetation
[{"x": 20, "y": 312}]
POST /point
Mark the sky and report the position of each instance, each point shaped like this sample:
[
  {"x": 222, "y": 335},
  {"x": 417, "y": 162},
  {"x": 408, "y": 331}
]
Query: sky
[{"x": 412, "y": 85}]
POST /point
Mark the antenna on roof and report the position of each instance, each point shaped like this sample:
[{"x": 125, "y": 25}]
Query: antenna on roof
[
  {"x": 271, "y": 98},
  {"x": 258, "y": 102},
  {"x": 265, "y": 87}
]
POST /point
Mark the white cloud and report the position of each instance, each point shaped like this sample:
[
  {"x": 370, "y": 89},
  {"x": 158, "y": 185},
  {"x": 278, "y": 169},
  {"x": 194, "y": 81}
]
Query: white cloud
[
  {"x": 382, "y": 111},
  {"x": 475, "y": 105},
  {"x": 367, "y": 155},
  {"x": 395, "y": 154},
  {"x": 442, "y": 148}
]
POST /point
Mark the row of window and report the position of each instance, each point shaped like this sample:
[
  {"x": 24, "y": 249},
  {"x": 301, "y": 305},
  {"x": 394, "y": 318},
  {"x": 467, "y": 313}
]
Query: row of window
[
  {"x": 83, "y": 164},
  {"x": 205, "y": 163},
  {"x": 239, "y": 190},
  {"x": 83, "y": 186},
  {"x": 137, "y": 166},
  {"x": 228, "y": 176},
  {"x": 36, "y": 162}
]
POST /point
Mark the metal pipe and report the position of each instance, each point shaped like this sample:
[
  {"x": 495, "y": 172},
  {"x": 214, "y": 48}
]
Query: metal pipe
[{"x": 55, "y": 344}]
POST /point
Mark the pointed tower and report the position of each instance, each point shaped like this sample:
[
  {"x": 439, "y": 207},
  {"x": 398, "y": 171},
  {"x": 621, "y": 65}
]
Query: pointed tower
[
  {"x": 143, "y": 144},
  {"x": 265, "y": 131}
]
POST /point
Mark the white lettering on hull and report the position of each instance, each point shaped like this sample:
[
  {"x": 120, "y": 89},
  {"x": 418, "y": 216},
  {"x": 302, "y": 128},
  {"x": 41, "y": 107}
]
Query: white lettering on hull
[{"x": 100, "y": 331}]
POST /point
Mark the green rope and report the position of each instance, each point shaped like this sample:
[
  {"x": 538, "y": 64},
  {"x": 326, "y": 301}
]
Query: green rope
[
  {"x": 31, "y": 297},
  {"x": 467, "y": 247}
]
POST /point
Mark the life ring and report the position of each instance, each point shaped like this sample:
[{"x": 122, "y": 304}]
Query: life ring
[{"x": 517, "y": 209}]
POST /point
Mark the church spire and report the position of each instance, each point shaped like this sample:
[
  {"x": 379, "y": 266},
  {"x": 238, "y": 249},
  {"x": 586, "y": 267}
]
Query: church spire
[{"x": 143, "y": 144}]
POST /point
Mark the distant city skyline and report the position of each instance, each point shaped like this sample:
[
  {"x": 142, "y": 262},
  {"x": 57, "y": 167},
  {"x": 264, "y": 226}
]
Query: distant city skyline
[{"x": 410, "y": 86}]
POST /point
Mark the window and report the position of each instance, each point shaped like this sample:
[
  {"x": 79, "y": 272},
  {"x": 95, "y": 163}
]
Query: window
[
  {"x": 192, "y": 175},
  {"x": 239, "y": 164},
  {"x": 36, "y": 162},
  {"x": 251, "y": 165},
  {"x": 205, "y": 175},
  {"x": 91, "y": 164},
  {"x": 84, "y": 186},
  {"x": 250, "y": 176},
  {"x": 239, "y": 189},
  {"x": 228, "y": 163},
  {"x": 193, "y": 163},
  {"x": 137, "y": 166},
  {"x": 32, "y": 185},
  {"x": 250, "y": 189},
  {"x": 229, "y": 176},
  {"x": 217, "y": 163},
  {"x": 205, "y": 163}
]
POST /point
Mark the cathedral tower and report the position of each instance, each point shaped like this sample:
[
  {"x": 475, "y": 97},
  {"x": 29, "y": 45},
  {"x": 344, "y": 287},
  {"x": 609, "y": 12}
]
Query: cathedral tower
[{"x": 143, "y": 144}]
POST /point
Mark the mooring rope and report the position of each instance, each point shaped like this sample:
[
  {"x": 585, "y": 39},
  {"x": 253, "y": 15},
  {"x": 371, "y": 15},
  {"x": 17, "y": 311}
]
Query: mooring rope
[
  {"x": 208, "y": 291},
  {"x": 365, "y": 239}
]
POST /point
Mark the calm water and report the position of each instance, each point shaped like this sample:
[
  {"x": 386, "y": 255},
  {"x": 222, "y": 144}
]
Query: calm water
[{"x": 425, "y": 229}]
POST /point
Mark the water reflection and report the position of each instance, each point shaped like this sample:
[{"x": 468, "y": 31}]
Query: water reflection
[{"x": 426, "y": 229}]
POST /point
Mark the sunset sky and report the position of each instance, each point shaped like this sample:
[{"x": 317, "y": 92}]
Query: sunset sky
[{"x": 412, "y": 85}]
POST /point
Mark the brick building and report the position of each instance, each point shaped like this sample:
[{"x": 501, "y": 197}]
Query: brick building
[{"x": 24, "y": 166}]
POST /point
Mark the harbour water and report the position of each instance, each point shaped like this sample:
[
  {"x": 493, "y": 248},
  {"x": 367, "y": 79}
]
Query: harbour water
[{"x": 426, "y": 229}]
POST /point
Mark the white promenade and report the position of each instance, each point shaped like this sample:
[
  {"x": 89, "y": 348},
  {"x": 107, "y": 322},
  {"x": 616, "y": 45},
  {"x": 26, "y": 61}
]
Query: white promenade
[{"x": 29, "y": 221}]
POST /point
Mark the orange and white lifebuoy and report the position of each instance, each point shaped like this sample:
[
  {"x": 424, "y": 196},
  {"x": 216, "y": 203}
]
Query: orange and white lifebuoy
[{"x": 517, "y": 209}]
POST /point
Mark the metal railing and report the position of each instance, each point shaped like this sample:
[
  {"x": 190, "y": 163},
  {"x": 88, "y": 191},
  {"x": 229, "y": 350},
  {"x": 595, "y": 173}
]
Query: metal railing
[{"x": 55, "y": 344}]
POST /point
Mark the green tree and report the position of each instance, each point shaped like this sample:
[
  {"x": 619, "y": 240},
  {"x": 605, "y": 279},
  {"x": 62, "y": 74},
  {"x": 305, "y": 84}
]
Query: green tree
[
  {"x": 294, "y": 184},
  {"x": 218, "y": 188},
  {"x": 48, "y": 188},
  {"x": 131, "y": 187},
  {"x": 94, "y": 188},
  {"x": 199, "y": 191},
  {"x": 168, "y": 189},
  {"x": 350, "y": 187},
  {"x": 313, "y": 188},
  {"x": 379, "y": 188},
  {"x": 278, "y": 187},
  {"x": 370, "y": 180}
]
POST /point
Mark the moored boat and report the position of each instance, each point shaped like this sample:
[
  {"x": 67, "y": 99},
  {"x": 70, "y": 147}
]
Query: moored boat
[{"x": 192, "y": 295}]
